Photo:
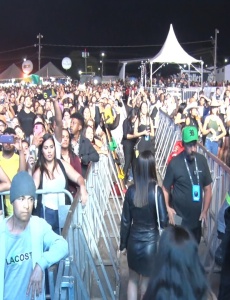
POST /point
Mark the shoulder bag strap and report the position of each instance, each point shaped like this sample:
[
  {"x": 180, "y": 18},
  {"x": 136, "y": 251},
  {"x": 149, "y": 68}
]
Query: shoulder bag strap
[
  {"x": 156, "y": 203},
  {"x": 67, "y": 200}
]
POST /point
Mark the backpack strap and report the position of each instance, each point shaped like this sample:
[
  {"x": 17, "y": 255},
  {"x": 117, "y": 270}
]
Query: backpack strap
[{"x": 67, "y": 201}]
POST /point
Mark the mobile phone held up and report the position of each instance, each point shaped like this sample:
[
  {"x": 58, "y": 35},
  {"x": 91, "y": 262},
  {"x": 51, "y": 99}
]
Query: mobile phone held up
[
  {"x": 37, "y": 129},
  {"x": 8, "y": 139}
]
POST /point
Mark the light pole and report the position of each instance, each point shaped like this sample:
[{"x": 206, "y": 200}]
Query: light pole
[
  {"x": 102, "y": 63},
  {"x": 215, "y": 52},
  {"x": 39, "y": 37}
]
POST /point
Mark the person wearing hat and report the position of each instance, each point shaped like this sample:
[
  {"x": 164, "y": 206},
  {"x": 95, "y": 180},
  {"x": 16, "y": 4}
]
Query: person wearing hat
[
  {"x": 28, "y": 245},
  {"x": 193, "y": 118},
  {"x": 189, "y": 175},
  {"x": 213, "y": 128}
]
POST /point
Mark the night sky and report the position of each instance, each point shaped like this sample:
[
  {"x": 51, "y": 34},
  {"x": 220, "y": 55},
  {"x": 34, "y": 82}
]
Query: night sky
[{"x": 110, "y": 23}]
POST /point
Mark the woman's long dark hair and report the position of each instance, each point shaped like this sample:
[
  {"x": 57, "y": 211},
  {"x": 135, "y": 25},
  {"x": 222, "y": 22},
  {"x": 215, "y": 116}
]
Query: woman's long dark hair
[
  {"x": 181, "y": 108},
  {"x": 41, "y": 162},
  {"x": 178, "y": 273},
  {"x": 145, "y": 172},
  {"x": 139, "y": 111},
  {"x": 132, "y": 114},
  {"x": 70, "y": 148}
]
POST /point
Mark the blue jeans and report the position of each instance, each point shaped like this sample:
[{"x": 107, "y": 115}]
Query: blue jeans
[
  {"x": 211, "y": 146},
  {"x": 51, "y": 217}
]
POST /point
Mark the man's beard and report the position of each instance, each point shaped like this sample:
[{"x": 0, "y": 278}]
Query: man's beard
[
  {"x": 8, "y": 151},
  {"x": 190, "y": 156}
]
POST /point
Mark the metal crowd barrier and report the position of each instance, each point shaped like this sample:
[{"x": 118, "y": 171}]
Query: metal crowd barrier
[
  {"x": 166, "y": 135},
  {"x": 92, "y": 232},
  {"x": 182, "y": 93},
  {"x": 188, "y": 93}
]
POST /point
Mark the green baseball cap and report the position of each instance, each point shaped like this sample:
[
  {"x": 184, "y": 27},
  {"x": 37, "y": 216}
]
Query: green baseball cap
[{"x": 189, "y": 134}]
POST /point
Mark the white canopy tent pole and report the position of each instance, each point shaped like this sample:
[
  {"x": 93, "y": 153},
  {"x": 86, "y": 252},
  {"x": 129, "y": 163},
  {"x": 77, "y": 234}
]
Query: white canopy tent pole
[
  {"x": 123, "y": 75},
  {"x": 196, "y": 68},
  {"x": 189, "y": 69},
  {"x": 202, "y": 73},
  {"x": 157, "y": 69},
  {"x": 151, "y": 77}
]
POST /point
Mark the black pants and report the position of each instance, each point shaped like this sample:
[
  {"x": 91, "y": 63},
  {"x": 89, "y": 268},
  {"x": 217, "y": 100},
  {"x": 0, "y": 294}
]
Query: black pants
[
  {"x": 128, "y": 154},
  {"x": 196, "y": 232}
]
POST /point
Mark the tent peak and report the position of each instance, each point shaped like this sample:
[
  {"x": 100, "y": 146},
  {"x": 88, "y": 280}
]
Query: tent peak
[{"x": 172, "y": 52}]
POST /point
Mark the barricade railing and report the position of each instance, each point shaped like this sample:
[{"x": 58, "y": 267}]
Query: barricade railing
[
  {"x": 188, "y": 93},
  {"x": 166, "y": 136},
  {"x": 93, "y": 237},
  {"x": 182, "y": 93}
]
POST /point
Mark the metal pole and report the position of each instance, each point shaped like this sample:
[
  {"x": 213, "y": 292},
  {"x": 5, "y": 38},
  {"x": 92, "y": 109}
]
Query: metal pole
[
  {"x": 102, "y": 64},
  {"x": 151, "y": 77},
  {"x": 85, "y": 61},
  {"x": 202, "y": 74},
  {"x": 39, "y": 50},
  {"x": 215, "y": 53},
  {"x": 123, "y": 75},
  {"x": 102, "y": 67}
]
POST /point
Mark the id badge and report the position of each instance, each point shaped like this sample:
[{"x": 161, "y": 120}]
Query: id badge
[{"x": 196, "y": 193}]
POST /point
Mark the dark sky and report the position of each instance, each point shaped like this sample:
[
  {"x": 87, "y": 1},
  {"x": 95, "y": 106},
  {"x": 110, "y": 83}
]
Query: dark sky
[{"x": 110, "y": 23}]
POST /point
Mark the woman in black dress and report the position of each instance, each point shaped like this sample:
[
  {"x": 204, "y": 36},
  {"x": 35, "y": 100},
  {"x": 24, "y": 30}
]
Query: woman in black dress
[
  {"x": 143, "y": 128},
  {"x": 139, "y": 228},
  {"x": 129, "y": 140}
]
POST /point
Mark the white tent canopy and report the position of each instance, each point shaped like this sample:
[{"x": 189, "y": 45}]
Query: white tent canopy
[{"x": 172, "y": 52}]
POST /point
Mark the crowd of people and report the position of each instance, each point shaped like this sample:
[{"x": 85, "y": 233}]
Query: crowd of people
[{"x": 55, "y": 132}]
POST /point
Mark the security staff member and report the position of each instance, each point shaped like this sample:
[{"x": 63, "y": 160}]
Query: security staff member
[{"x": 187, "y": 176}]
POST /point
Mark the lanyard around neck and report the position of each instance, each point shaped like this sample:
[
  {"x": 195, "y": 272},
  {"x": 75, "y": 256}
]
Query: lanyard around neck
[{"x": 189, "y": 173}]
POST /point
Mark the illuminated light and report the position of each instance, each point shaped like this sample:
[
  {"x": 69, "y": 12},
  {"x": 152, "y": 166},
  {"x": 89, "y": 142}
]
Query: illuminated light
[
  {"x": 79, "y": 72},
  {"x": 102, "y": 54},
  {"x": 132, "y": 82},
  {"x": 95, "y": 81},
  {"x": 27, "y": 66},
  {"x": 66, "y": 63}
]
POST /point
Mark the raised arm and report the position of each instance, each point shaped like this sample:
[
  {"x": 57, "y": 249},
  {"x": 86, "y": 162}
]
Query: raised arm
[
  {"x": 58, "y": 120},
  {"x": 74, "y": 176}
]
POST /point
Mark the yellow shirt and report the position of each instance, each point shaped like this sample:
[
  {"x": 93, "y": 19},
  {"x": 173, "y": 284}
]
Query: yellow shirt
[{"x": 10, "y": 166}]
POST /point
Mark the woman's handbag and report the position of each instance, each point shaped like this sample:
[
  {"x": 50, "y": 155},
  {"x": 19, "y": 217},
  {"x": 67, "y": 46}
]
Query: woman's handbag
[{"x": 157, "y": 210}]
